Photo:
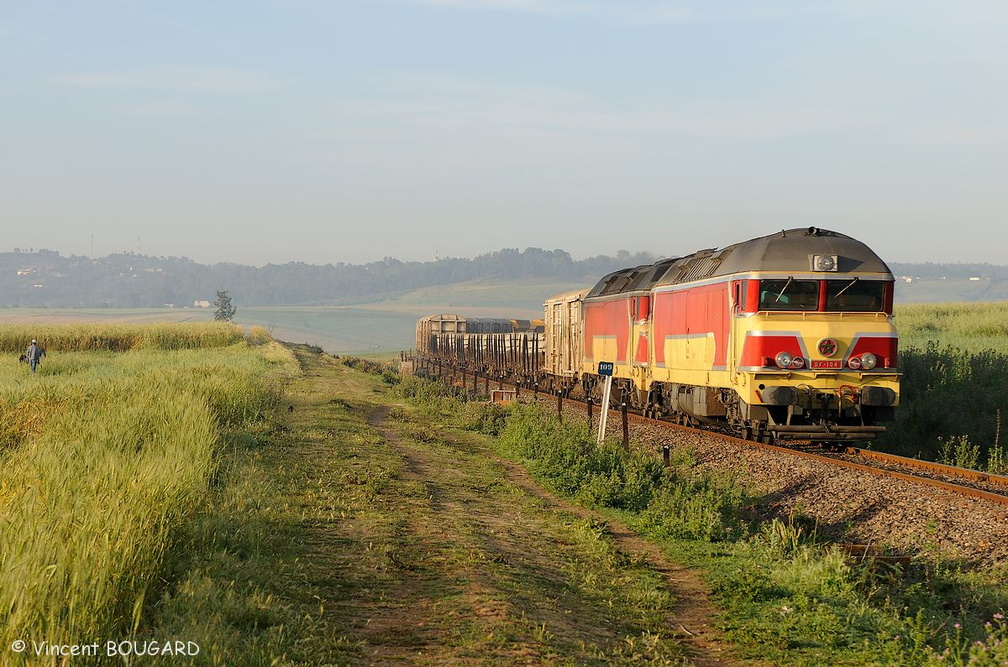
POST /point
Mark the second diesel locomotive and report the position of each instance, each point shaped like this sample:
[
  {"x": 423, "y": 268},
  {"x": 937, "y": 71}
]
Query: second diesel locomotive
[{"x": 784, "y": 336}]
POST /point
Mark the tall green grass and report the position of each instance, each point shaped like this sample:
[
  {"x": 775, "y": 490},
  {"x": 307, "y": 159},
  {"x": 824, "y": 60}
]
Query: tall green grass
[
  {"x": 966, "y": 326},
  {"x": 88, "y": 508},
  {"x": 102, "y": 458},
  {"x": 954, "y": 390}
]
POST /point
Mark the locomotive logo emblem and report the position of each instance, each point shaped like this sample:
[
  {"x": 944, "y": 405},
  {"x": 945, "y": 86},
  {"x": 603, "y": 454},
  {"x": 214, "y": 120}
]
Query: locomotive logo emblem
[{"x": 828, "y": 347}]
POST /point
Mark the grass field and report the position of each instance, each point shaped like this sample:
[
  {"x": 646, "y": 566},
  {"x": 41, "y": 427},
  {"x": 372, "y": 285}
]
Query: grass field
[
  {"x": 954, "y": 390},
  {"x": 972, "y": 327},
  {"x": 104, "y": 457}
]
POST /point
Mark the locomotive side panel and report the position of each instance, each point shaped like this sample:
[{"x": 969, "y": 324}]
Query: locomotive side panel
[
  {"x": 607, "y": 334},
  {"x": 690, "y": 334}
]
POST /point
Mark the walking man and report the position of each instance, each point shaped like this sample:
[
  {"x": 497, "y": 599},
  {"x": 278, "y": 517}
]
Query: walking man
[{"x": 34, "y": 354}]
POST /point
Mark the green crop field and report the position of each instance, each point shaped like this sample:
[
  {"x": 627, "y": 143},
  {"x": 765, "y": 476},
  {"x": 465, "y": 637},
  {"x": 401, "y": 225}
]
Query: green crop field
[
  {"x": 104, "y": 453},
  {"x": 954, "y": 391},
  {"x": 969, "y": 326}
]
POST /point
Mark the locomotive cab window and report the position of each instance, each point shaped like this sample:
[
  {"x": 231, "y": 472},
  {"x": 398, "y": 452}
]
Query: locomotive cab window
[
  {"x": 855, "y": 295},
  {"x": 789, "y": 294}
]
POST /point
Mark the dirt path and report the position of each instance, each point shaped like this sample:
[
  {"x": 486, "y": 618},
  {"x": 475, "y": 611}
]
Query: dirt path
[
  {"x": 438, "y": 552},
  {"x": 693, "y": 617},
  {"x": 451, "y": 497}
]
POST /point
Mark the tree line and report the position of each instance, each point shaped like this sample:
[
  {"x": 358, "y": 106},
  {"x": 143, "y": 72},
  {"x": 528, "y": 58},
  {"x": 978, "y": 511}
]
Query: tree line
[{"x": 45, "y": 278}]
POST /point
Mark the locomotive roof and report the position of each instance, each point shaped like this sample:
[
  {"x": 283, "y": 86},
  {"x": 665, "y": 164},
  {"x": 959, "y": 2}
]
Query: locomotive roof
[
  {"x": 638, "y": 278},
  {"x": 573, "y": 295},
  {"x": 788, "y": 251}
]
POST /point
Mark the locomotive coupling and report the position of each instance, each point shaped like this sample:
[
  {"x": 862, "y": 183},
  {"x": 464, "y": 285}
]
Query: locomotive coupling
[
  {"x": 780, "y": 395},
  {"x": 878, "y": 396},
  {"x": 787, "y": 395}
]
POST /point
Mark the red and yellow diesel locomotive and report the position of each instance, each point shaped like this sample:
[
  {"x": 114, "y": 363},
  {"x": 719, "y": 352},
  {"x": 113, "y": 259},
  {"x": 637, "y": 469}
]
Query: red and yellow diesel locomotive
[{"x": 784, "y": 336}]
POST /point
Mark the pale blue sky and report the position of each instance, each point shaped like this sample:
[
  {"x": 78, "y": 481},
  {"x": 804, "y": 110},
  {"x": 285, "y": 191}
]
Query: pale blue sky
[{"x": 273, "y": 131}]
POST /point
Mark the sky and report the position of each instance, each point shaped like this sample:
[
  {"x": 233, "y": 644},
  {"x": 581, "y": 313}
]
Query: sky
[{"x": 269, "y": 131}]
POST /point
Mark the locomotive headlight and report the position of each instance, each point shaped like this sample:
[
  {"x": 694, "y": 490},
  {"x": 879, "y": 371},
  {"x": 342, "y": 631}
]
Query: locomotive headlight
[
  {"x": 797, "y": 362},
  {"x": 824, "y": 262},
  {"x": 783, "y": 359},
  {"x": 868, "y": 361},
  {"x": 854, "y": 362}
]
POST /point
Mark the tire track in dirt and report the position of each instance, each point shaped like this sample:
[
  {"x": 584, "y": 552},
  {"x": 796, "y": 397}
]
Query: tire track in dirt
[
  {"x": 694, "y": 615},
  {"x": 691, "y": 622}
]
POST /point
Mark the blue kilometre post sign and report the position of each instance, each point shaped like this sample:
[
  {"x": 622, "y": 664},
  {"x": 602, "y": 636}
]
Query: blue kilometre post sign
[{"x": 605, "y": 369}]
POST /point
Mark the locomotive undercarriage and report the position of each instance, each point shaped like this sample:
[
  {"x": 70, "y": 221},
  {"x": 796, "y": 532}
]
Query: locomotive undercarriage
[{"x": 801, "y": 413}]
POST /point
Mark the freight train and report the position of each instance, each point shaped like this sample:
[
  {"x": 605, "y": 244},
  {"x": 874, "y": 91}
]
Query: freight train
[{"x": 786, "y": 336}]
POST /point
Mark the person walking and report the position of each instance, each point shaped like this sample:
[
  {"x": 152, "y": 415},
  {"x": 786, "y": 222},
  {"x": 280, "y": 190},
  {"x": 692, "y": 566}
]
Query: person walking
[{"x": 34, "y": 354}]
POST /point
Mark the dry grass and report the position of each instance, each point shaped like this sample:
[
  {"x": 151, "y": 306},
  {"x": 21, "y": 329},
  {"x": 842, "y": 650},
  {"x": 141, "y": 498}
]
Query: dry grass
[{"x": 86, "y": 337}]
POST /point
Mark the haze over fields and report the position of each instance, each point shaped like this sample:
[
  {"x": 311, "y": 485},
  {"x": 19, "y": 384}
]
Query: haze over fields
[
  {"x": 356, "y": 308},
  {"x": 262, "y": 132}
]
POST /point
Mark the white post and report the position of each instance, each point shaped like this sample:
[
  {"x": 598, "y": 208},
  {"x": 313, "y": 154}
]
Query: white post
[{"x": 604, "y": 408}]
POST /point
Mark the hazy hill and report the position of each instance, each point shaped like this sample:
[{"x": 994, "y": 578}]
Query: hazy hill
[
  {"x": 507, "y": 278},
  {"x": 47, "y": 279}
]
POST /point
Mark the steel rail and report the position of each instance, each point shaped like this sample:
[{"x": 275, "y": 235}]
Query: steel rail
[
  {"x": 874, "y": 470},
  {"x": 931, "y": 466}
]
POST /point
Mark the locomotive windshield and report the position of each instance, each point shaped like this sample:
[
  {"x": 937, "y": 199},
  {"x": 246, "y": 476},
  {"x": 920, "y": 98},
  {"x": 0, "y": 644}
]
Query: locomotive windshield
[
  {"x": 789, "y": 294},
  {"x": 855, "y": 295},
  {"x": 850, "y": 295}
]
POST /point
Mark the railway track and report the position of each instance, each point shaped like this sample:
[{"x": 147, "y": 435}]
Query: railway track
[
  {"x": 962, "y": 481},
  {"x": 905, "y": 507}
]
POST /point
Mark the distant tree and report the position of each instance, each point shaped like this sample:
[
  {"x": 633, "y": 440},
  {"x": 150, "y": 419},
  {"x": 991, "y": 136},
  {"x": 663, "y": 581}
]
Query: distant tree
[{"x": 225, "y": 310}]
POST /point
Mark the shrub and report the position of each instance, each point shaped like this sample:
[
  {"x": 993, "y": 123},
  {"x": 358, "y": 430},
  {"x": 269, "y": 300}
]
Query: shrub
[{"x": 674, "y": 502}]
